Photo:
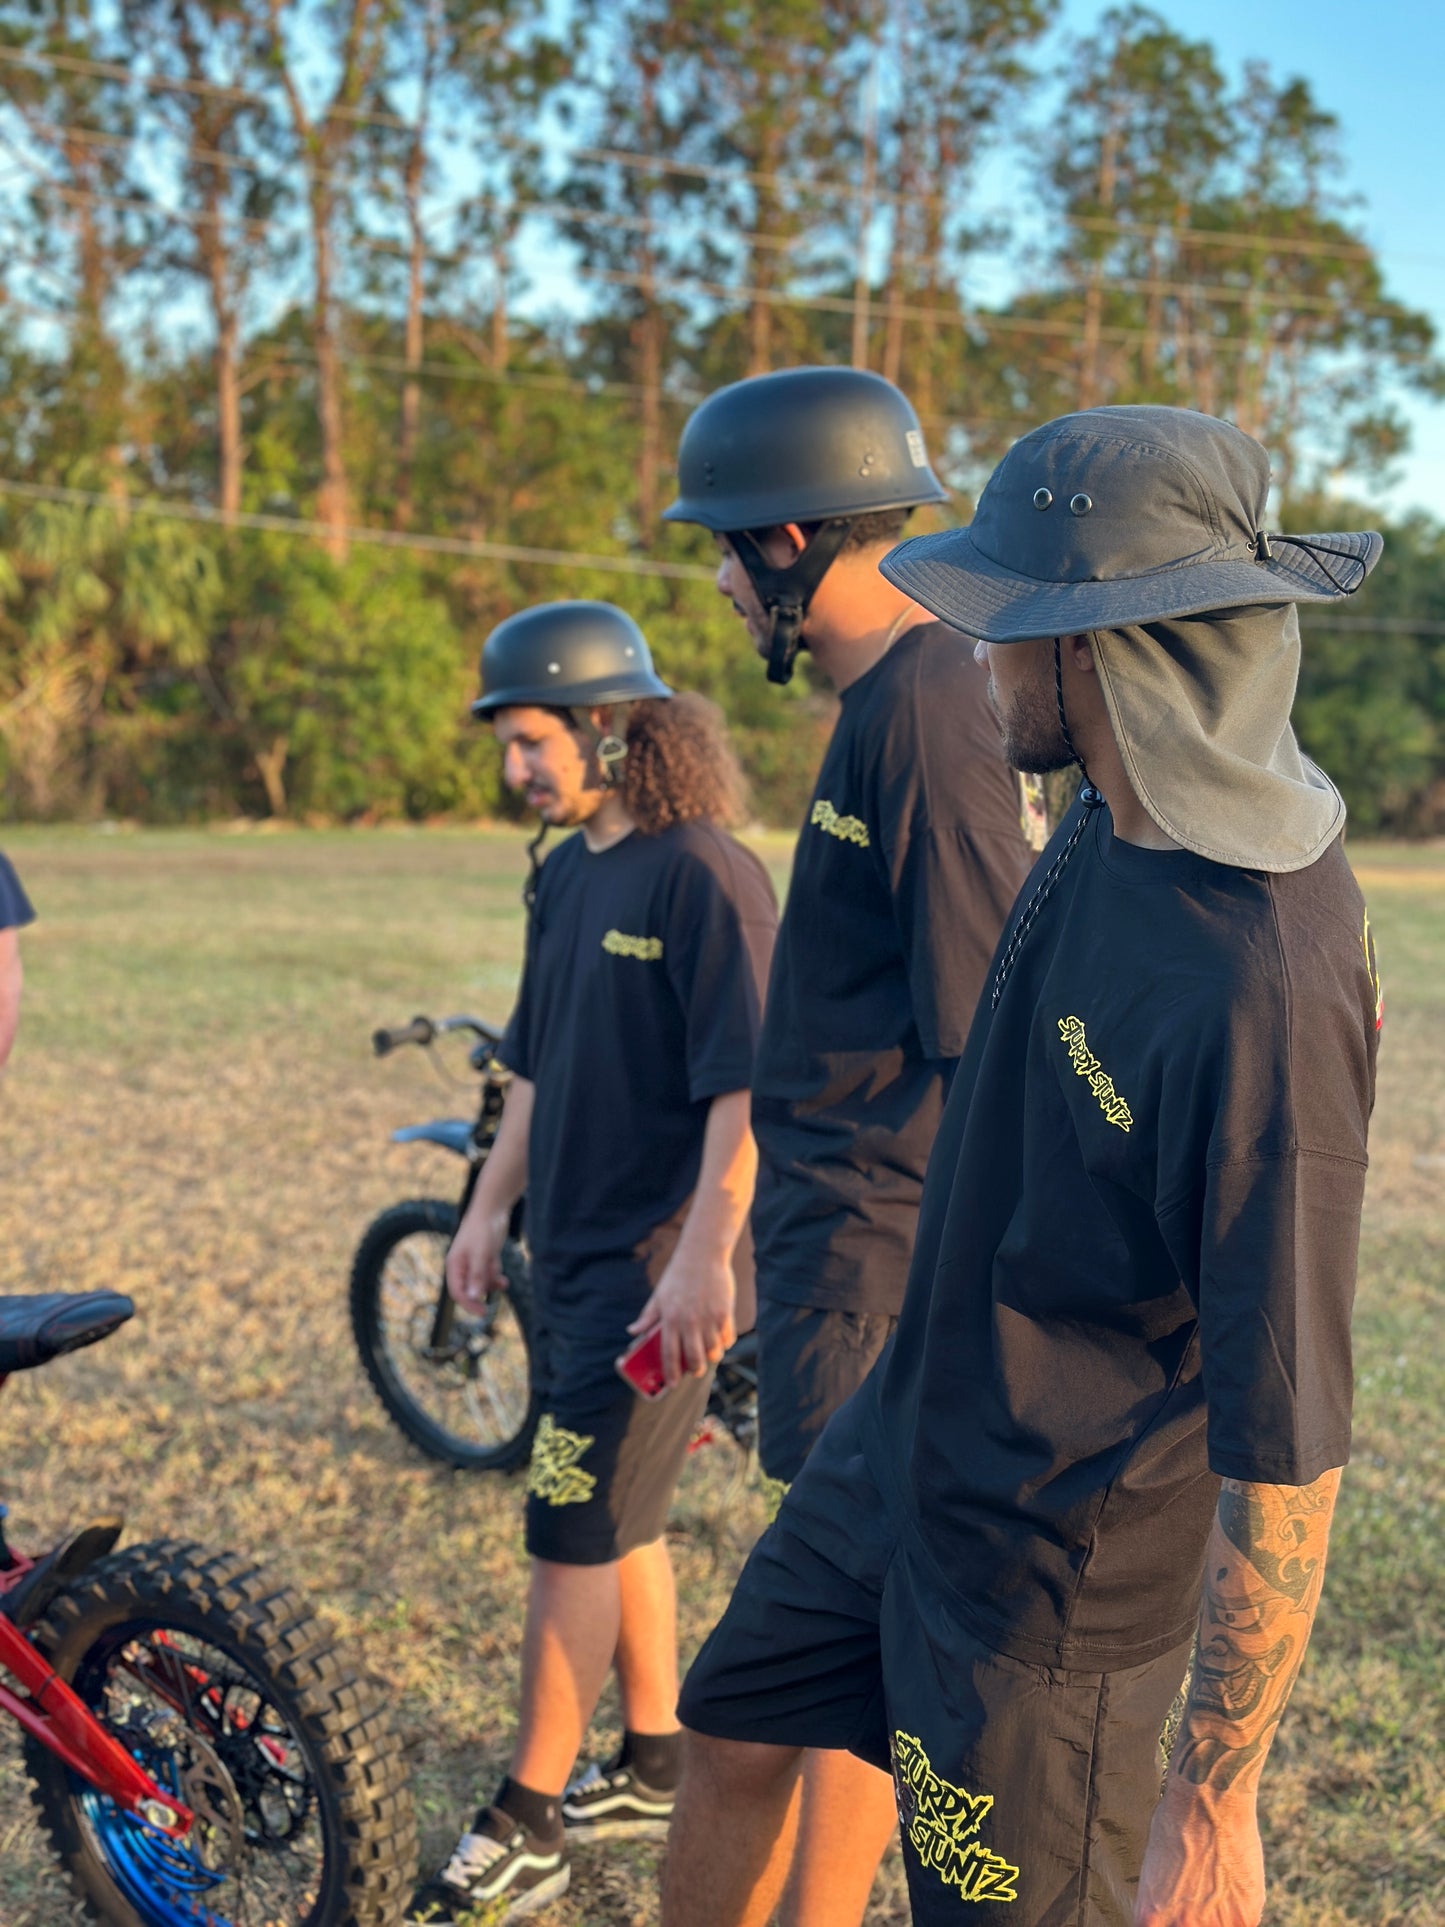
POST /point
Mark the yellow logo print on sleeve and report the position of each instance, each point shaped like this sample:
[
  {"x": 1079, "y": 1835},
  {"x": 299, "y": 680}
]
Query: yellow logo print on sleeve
[
  {"x": 1085, "y": 1064},
  {"x": 939, "y": 1822},
  {"x": 554, "y": 1473},
  {"x": 774, "y": 1492},
  {"x": 847, "y": 829},
  {"x": 647, "y": 949}
]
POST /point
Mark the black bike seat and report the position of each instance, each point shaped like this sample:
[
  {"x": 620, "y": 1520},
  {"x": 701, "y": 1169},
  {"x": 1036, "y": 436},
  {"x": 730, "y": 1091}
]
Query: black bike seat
[{"x": 36, "y": 1329}]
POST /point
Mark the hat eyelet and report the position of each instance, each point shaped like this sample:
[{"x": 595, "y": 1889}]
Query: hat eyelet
[
  {"x": 1080, "y": 504},
  {"x": 1043, "y": 498}
]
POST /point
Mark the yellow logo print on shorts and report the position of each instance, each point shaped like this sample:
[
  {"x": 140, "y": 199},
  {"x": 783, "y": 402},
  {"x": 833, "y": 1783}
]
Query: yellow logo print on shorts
[
  {"x": 940, "y": 1821},
  {"x": 848, "y": 829},
  {"x": 554, "y": 1474},
  {"x": 1085, "y": 1064},
  {"x": 648, "y": 949}
]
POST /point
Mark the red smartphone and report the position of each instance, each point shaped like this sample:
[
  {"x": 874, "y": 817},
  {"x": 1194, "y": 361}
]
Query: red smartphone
[{"x": 641, "y": 1365}]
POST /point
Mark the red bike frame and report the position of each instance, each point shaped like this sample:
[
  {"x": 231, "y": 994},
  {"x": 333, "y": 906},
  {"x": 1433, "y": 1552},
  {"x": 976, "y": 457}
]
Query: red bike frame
[{"x": 51, "y": 1713}]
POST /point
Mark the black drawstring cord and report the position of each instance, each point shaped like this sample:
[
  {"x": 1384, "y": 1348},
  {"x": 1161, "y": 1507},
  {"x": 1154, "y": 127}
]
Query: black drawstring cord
[
  {"x": 1264, "y": 552},
  {"x": 529, "y": 888},
  {"x": 1090, "y": 799}
]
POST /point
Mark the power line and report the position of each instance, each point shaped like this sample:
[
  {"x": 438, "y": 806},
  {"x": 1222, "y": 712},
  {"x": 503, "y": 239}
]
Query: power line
[
  {"x": 565, "y": 214},
  {"x": 983, "y": 320},
  {"x": 163, "y": 511},
  {"x": 633, "y": 158}
]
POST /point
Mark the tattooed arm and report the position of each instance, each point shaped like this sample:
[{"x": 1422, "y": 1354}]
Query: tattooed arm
[{"x": 1262, "y": 1577}]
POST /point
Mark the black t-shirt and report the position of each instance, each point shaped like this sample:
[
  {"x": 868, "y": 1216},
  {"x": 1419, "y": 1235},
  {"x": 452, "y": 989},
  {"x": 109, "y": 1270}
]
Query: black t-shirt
[
  {"x": 15, "y": 907},
  {"x": 909, "y": 858},
  {"x": 1136, "y": 1253},
  {"x": 641, "y": 1001}
]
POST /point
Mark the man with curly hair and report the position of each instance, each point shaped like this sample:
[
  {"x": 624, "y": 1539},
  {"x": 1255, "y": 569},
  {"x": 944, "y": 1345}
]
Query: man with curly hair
[{"x": 626, "y": 1126}]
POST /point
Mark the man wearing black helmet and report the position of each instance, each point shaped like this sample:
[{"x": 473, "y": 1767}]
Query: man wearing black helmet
[
  {"x": 1116, "y": 1406},
  {"x": 911, "y": 852},
  {"x": 626, "y": 1124}
]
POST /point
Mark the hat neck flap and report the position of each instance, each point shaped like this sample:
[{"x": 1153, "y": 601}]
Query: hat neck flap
[{"x": 1200, "y": 709}]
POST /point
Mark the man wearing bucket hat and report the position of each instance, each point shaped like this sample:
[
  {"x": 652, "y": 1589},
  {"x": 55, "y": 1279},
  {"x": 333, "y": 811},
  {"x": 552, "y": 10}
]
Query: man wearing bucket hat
[
  {"x": 626, "y": 1124},
  {"x": 1118, "y": 1399}
]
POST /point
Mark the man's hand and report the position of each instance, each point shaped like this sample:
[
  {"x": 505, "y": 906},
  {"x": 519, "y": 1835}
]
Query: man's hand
[
  {"x": 693, "y": 1302},
  {"x": 1203, "y": 1867},
  {"x": 474, "y": 1263}
]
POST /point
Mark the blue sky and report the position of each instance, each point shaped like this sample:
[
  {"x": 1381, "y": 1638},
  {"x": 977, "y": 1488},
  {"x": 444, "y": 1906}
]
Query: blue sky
[{"x": 1381, "y": 69}]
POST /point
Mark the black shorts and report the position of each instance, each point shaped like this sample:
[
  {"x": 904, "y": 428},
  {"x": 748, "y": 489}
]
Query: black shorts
[
  {"x": 605, "y": 1463},
  {"x": 809, "y": 1363},
  {"x": 1021, "y": 1788}
]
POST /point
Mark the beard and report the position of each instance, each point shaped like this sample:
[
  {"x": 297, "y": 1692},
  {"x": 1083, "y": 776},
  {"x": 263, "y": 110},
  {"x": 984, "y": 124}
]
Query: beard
[{"x": 1029, "y": 719}]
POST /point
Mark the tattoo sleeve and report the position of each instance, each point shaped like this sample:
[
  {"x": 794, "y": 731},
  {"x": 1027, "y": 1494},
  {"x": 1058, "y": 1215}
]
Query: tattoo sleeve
[{"x": 1262, "y": 1578}]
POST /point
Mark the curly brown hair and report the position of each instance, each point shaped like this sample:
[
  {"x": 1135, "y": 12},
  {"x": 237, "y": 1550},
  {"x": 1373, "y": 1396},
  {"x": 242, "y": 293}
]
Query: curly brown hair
[{"x": 680, "y": 765}]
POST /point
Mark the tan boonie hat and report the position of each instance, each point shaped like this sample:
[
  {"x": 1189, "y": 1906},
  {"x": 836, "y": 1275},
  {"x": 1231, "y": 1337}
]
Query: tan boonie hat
[{"x": 1144, "y": 527}]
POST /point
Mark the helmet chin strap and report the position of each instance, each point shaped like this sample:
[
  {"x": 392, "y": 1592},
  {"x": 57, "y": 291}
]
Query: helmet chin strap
[{"x": 786, "y": 593}]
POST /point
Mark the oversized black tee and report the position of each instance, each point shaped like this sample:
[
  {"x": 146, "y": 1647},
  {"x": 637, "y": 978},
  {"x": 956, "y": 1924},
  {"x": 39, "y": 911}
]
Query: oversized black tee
[
  {"x": 641, "y": 1001},
  {"x": 1136, "y": 1254},
  {"x": 909, "y": 858},
  {"x": 15, "y": 908}
]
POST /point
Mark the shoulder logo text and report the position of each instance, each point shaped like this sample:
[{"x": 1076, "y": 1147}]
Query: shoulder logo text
[
  {"x": 939, "y": 1822},
  {"x": 848, "y": 829},
  {"x": 1085, "y": 1064},
  {"x": 649, "y": 949}
]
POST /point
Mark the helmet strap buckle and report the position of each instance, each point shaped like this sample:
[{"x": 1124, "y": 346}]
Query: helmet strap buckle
[
  {"x": 786, "y": 593},
  {"x": 610, "y": 750}
]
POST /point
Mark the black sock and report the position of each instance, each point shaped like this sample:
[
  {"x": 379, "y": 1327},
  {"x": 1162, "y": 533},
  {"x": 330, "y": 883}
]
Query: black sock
[
  {"x": 539, "y": 1813},
  {"x": 653, "y": 1757}
]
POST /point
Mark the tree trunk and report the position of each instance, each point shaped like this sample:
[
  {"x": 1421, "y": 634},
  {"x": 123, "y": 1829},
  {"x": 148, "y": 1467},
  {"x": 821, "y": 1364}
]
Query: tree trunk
[
  {"x": 270, "y": 765},
  {"x": 333, "y": 499},
  {"x": 1094, "y": 300},
  {"x": 414, "y": 340}
]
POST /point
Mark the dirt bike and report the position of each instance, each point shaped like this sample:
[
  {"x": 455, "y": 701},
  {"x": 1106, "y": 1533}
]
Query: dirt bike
[
  {"x": 199, "y": 1753},
  {"x": 461, "y": 1386}
]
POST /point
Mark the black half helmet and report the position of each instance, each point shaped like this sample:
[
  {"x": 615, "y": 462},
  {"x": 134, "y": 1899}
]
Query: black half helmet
[
  {"x": 815, "y": 445},
  {"x": 566, "y": 655},
  {"x": 801, "y": 445}
]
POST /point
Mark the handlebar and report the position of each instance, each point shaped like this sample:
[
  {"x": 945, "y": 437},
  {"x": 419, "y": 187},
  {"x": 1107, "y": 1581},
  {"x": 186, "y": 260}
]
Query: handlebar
[{"x": 425, "y": 1031}]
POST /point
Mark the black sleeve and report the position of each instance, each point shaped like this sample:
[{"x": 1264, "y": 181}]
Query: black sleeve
[
  {"x": 517, "y": 1049},
  {"x": 948, "y": 810},
  {"x": 719, "y": 939},
  {"x": 1279, "y": 1242},
  {"x": 15, "y": 907}
]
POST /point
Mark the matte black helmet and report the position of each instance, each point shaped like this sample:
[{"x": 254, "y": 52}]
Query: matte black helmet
[
  {"x": 566, "y": 655},
  {"x": 815, "y": 445},
  {"x": 801, "y": 445}
]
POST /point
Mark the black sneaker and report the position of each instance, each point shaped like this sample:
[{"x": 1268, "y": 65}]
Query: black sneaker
[
  {"x": 498, "y": 1863},
  {"x": 611, "y": 1803}
]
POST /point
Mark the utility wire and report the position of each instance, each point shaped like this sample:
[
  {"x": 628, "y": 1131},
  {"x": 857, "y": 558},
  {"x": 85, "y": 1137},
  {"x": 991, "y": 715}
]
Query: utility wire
[
  {"x": 633, "y": 158},
  {"x": 983, "y": 320},
  {"x": 162, "y": 511}
]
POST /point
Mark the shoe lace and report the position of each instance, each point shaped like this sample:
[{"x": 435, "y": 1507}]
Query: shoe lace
[
  {"x": 474, "y": 1854},
  {"x": 592, "y": 1777}
]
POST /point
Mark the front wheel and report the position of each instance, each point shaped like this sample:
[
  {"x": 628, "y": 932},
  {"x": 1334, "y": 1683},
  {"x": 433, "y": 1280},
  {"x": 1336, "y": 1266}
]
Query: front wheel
[
  {"x": 232, "y": 1696},
  {"x": 462, "y": 1394}
]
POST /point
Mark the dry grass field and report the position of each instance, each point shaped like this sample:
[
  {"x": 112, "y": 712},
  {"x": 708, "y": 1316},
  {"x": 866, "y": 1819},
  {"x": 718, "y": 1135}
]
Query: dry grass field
[{"x": 193, "y": 1116}]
